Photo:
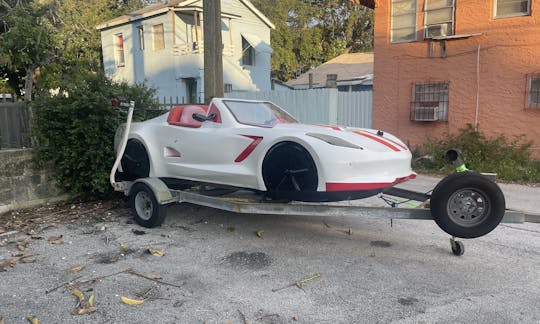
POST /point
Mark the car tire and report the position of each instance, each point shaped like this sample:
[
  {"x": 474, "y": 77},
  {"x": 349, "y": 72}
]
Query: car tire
[
  {"x": 147, "y": 212},
  {"x": 288, "y": 167},
  {"x": 467, "y": 205},
  {"x": 135, "y": 161}
]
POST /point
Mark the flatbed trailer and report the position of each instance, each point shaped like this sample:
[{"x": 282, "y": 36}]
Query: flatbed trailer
[{"x": 154, "y": 206}]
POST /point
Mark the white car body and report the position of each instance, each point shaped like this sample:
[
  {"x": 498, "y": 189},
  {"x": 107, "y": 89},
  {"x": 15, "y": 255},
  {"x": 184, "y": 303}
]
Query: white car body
[{"x": 350, "y": 162}]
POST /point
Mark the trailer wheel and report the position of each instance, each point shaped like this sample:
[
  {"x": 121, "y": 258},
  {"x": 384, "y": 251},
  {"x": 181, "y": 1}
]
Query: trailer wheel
[
  {"x": 147, "y": 211},
  {"x": 467, "y": 205}
]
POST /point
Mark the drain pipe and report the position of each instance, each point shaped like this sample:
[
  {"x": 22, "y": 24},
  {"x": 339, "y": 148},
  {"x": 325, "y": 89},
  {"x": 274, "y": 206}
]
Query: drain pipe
[{"x": 477, "y": 88}]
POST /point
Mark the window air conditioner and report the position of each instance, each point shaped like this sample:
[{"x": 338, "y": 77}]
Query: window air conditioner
[
  {"x": 436, "y": 31},
  {"x": 426, "y": 113}
]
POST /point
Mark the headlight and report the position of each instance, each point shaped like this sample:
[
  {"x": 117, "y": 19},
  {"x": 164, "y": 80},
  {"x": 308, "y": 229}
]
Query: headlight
[{"x": 332, "y": 140}]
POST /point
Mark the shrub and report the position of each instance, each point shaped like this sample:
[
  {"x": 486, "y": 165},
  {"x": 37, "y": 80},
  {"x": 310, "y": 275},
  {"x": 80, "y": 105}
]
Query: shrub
[
  {"x": 75, "y": 130},
  {"x": 511, "y": 160}
]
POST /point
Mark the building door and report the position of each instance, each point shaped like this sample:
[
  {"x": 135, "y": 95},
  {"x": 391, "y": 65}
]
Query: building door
[{"x": 191, "y": 90}]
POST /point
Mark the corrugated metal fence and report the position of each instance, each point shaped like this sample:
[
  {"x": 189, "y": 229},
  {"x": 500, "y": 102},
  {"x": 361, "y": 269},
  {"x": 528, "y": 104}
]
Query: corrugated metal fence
[
  {"x": 319, "y": 106},
  {"x": 13, "y": 126}
]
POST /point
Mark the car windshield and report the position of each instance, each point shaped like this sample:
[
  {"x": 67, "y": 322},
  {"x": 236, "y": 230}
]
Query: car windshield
[{"x": 263, "y": 114}]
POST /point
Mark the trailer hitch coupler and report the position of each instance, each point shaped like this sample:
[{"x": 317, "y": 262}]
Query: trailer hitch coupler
[{"x": 454, "y": 156}]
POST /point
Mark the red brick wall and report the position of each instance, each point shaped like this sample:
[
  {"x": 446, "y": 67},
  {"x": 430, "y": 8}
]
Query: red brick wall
[{"x": 509, "y": 50}]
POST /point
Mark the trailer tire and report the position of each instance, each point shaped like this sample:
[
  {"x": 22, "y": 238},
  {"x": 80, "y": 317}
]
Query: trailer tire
[
  {"x": 467, "y": 205},
  {"x": 147, "y": 212}
]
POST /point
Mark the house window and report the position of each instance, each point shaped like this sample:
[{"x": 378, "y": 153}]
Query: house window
[
  {"x": 140, "y": 32},
  {"x": 439, "y": 18},
  {"x": 510, "y": 8},
  {"x": 533, "y": 90},
  {"x": 248, "y": 53},
  {"x": 227, "y": 87},
  {"x": 159, "y": 37},
  {"x": 430, "y": 101},
  {"x": 403, "y": 21},
  {"x": 119, "y": 50}
]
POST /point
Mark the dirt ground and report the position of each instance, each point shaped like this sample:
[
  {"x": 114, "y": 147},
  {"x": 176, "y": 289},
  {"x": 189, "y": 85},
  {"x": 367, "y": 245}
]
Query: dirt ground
[{"x": 209, "y": 266}]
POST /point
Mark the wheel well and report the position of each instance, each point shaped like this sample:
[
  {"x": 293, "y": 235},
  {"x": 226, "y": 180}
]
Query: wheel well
[
  {"x": 301, "y": 148},
  {"x": 136, "y": 160}
]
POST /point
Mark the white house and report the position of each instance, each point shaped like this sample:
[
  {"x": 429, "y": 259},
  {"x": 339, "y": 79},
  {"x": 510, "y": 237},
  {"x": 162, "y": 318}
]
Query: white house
[{"x": 163, "y": 45}]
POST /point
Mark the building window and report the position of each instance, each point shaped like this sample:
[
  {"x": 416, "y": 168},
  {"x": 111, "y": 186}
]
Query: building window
[
  {"x": 119, "y": 50},
  {"x": 510, "y": 8},
  {"x": 159, "y": 37},
  {"x": 403, "y": 21},
  {"x": 227, "y": 87},
  {"x": 533, "y": 90},
  {"x": 439, "y": 18},
  {"x": 140, "y": 32},
  {"x": 430, "y": 101},
  {"x": 248, "y": 53}
]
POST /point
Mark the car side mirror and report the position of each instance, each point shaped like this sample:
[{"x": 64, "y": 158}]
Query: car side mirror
[{"x": 202, "y": 118}]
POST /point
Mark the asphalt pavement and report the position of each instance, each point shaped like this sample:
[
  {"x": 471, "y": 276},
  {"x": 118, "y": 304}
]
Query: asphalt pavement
[{"x": 221, "y": 267}]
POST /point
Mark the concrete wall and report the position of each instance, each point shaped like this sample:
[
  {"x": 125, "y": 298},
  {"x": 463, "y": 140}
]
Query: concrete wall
[
  {"x": 22, "y": 185},
  {"x": 509, "y": 50}
]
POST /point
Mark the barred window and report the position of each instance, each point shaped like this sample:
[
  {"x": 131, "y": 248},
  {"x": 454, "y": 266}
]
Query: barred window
[
  {"x": 403, "y": 21},
  {"x": 533, "y": 90},
  {"x": 510, "y": 8},
  {"x": 439, "y": 18},
  {"x": 430, "y": 101}
]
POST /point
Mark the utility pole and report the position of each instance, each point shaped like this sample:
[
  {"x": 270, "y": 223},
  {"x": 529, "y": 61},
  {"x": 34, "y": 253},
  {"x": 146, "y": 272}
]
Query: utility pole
[{"x": 213, "y": 50}]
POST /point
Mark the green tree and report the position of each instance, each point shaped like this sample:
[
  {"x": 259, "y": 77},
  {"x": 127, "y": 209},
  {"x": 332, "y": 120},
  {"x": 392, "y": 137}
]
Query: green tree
[{"x": 310, "y": 32}]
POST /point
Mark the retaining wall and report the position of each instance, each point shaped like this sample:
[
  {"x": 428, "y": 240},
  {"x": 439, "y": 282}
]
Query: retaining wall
[{"x": 22, "y": 184}]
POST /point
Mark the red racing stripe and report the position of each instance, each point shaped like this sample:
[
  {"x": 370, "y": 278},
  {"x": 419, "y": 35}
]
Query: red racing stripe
[
  {"x": 339, "y": 186},
  {"x": 247, "y": 151},
  {"x": 378, "y": 139}
]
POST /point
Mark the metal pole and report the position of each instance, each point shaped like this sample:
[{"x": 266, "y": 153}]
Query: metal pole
[{"x": 213, "y": 50}]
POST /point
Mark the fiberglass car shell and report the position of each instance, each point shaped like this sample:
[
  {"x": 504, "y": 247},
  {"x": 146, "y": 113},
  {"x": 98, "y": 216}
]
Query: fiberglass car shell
[{"x": 256, "y": 145}]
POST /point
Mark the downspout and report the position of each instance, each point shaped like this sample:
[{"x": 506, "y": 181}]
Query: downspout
[{"x": 477, "y": 88}]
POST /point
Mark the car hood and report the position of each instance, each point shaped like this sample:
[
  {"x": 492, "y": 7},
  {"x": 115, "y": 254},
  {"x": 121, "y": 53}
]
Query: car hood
[{"x": 364, "y": 137}]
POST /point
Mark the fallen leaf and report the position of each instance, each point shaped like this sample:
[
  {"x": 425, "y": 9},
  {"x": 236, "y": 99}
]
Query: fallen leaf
[
  {"x": 137, "y": 232},
  {"x": 36, "y": 237},
  {"x": 13, "y": 261},
  {"x": 349, "y": 231},
  {"x": 2, "y": 320},
  {"x": 259, "y": 233},
  {"x": 32, "y": 319},
  {"x": 80, "y": 296},
  {"x": 86, "y": 310},
  {"x": 91, "y": 301},
  {"x": 295, "y": 318},
  {"x": 130, "y": 301},
  {"x": 76, "y": 268},
  {"x": 124, "y": 246},
  {"x": 56, "y": 239},
  {"x": 22, "y": 246},
  {"x": 156, "y": 252},
  {"x": 152, "y": 276},
  {"x": 231, "y": 229}
]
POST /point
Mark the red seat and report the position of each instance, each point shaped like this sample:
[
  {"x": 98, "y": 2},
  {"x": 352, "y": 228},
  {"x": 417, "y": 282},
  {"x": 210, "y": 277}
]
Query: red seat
[{"x": 183, "y": 115}]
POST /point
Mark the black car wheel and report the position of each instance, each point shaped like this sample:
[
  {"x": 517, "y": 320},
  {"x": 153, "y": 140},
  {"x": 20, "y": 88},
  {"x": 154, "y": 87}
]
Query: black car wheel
[{"x": 289, "y": 168}]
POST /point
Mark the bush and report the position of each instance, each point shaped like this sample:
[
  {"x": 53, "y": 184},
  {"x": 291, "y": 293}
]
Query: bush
[
  {"x": 511, "y": 160},
  {"x": 76, "y": 128}
]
